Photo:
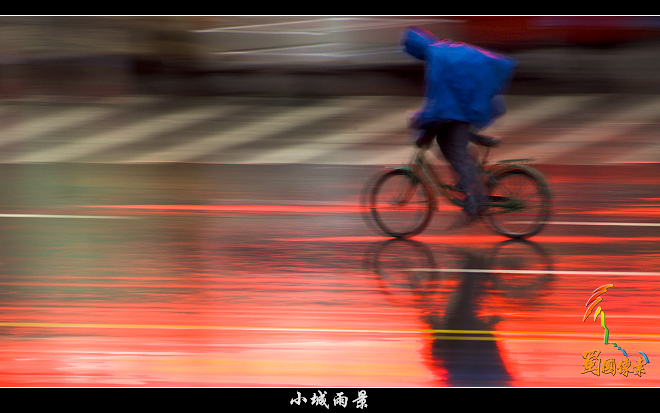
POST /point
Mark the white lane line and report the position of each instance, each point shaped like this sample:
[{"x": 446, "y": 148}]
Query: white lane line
[
  {"x": 606, "y": 127},
  {"x": 539, "y": 272},
  {"x": 49, "y": 216},
  {"x": 123, "y": 135},
  {"x": 253, "y": 131},
  {"x": 613, "y": 224},
  {"x": 645, "y": 154},
  {"x": 320, "y": 26}
]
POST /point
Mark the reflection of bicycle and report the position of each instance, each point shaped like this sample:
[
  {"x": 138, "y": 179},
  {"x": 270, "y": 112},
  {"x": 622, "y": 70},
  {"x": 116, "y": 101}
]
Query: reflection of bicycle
[
  {"x": 409, "y": 271},
  {"x": 402, "y": 200}
]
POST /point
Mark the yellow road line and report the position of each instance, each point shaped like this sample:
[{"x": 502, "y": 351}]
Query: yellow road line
[{"x": 436, "y": 334}]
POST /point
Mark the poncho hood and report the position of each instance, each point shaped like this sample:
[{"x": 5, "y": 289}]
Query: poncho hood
[{"x": 417, "y": 41}]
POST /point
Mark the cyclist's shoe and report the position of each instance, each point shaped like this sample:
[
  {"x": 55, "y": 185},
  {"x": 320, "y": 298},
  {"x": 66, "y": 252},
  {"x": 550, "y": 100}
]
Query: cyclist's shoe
[{"x": 495, "y": 142}]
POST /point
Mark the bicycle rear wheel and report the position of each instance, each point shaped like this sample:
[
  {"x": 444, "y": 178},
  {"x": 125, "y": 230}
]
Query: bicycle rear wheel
[
  {"x": 401, "y": 204},
  {"x": 520, "y": 202}
]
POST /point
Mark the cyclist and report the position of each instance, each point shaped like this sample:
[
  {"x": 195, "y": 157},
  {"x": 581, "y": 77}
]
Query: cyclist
[{"x": 463, "y": 94}]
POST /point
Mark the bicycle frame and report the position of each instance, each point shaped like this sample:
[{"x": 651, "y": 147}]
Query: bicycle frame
[
  {"x": 420, "y": 168},
  {"x": 419, "y": 164}
]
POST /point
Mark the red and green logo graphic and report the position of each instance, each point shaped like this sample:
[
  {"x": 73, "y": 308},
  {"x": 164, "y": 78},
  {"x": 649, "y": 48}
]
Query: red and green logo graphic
[{"x": 592, "y": 363}]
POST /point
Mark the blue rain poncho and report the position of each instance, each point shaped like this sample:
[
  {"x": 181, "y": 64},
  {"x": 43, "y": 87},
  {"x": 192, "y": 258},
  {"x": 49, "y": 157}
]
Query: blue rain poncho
[{"x": 462, "y": 82}]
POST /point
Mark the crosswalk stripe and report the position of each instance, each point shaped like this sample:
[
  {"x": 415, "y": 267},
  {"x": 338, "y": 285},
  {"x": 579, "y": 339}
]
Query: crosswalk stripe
[
  {"x": 613, "y": 125},
  {"x": 376, "y": 141},
  {"x": 330, "y": 148},
  {"x": 392, "y": 121},
  {"x": 123, "y": 135},
  {"x": 35, "y": 128},
  {"x": 539, "y": 110},
  {"x": 253, "y": 131}
]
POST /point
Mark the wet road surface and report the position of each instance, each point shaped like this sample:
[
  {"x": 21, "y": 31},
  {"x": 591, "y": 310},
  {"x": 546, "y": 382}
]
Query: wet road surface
[{"x": 267, "y": 275}]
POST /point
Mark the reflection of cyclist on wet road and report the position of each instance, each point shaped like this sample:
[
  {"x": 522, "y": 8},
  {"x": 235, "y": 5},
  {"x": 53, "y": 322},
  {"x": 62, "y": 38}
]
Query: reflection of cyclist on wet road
[
  {"x": 463, "y": 88},
  {"x": 468, "y": 360},
  {"x": 451, "y": 291}
]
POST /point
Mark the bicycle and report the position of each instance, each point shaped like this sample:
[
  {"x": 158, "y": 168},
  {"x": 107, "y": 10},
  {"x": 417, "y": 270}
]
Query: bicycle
[
  {"x": 409, "y": 271},
  {"x": 402, "y": 200}
]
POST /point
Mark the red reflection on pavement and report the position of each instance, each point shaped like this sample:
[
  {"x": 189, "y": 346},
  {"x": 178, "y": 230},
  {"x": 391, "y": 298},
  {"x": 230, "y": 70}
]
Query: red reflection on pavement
[{"x": 266, "y": 208}]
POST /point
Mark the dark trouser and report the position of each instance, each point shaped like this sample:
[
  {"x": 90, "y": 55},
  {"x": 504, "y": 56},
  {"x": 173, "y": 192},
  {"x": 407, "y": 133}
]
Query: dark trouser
[{"x": 453, "y": 138}]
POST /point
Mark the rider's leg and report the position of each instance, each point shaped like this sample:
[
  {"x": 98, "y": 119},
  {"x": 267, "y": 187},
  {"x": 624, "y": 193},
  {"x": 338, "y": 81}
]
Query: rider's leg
[
  {"x": 453, "y": 140},
  {"x": 424, "y": 139}
]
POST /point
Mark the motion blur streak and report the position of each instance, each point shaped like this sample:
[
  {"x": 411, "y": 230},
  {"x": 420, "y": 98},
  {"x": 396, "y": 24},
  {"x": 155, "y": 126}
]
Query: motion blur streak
[
  {"x": 182, "y": 206},
  {"x": 273, "y": 209}
]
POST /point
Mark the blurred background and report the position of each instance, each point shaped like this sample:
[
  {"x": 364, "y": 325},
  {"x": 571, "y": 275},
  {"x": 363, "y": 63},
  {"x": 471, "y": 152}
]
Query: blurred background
[
  {"x": 181, "y": 205},
  {"x": 110, "y": 55}
]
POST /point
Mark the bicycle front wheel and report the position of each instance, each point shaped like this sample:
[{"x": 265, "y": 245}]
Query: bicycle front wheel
[
  {"x": 401, "y": 204},
  {"x": 520, "y": 201}
]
